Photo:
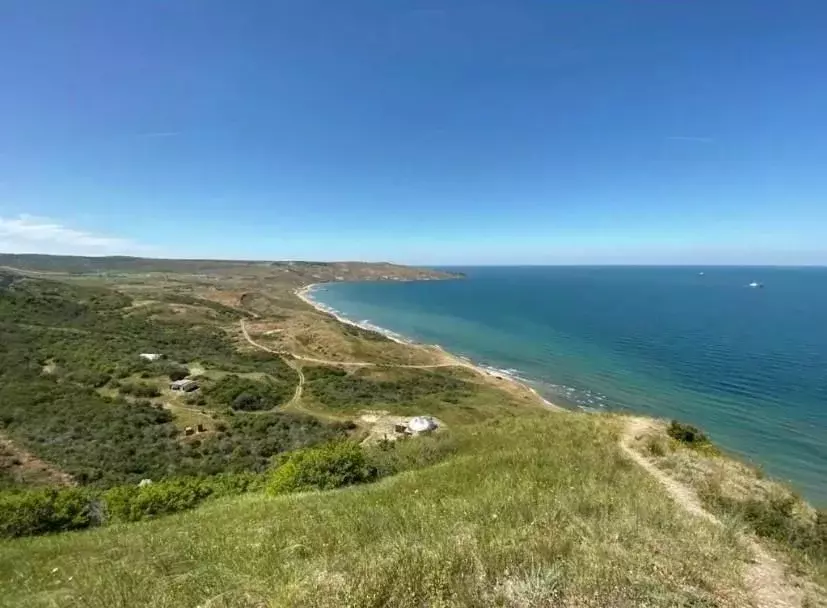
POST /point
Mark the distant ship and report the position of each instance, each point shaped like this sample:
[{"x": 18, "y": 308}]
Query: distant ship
[
  {"x": 758, "y": 285},
  {"x": 700, "y": 274}
]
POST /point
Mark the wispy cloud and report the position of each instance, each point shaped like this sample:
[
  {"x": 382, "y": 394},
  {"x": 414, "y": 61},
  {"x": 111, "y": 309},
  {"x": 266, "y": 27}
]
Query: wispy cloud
[
  {"x": 30, "y": 234},
  {"x": 153, "y": 134},
  {"x": 697, "y": 140}
]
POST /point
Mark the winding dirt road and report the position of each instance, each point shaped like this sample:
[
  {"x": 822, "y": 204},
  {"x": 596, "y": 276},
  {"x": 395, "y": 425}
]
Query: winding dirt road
[{"x": 297, "y": 396}]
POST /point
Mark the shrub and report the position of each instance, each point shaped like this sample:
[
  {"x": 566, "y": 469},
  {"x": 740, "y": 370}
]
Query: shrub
[
  {"x": 61, "y": 509},
  {"x": 139, "y": 389},
  {"x": 247, "y": 394},
  {"x": 195, "y": 399},
  {"x": 686, "y": 433},
  {"x": 655, "y": 446},
  {"x": 47, "y": 510},
  {"x": 91, "y": 378},
  {"x": 248, "y": 402},
  {"x": 133, "y": 503},
  {"x": 177, "y": 372},
  {"x": 321, "y": 468}
]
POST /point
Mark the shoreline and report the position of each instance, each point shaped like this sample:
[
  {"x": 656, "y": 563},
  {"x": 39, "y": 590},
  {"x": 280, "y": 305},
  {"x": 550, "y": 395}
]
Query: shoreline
[{"x": 304, "y": 294}]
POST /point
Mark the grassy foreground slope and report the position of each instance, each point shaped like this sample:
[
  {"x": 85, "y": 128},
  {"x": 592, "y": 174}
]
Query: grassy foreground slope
[{"x": 541, "y": 510}]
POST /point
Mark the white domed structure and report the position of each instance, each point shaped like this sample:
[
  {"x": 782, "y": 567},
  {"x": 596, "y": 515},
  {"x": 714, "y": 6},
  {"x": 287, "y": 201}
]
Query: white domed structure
[{"x": 421, "y": 424}]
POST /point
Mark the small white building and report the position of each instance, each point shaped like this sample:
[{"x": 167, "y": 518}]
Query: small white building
[{"x": 150, "y": 356}]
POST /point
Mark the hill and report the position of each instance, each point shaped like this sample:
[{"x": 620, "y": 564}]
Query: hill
[
  {"x": 508, "y": 503},
  {"x": 299, "y": 272}
]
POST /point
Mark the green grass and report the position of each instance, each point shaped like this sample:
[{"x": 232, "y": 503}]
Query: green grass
[{"x": 539, "y": 510}]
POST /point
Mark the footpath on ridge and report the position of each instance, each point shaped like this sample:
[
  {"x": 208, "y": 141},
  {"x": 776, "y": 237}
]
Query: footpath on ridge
[{"x": 764, "y": 577}]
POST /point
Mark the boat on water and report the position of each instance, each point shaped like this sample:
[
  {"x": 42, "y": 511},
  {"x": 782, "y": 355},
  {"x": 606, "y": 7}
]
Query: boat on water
[{"x": 756, "y": 285}]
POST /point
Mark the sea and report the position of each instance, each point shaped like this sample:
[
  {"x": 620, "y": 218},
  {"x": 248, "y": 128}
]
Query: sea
[{"x": 740, "y": 352}]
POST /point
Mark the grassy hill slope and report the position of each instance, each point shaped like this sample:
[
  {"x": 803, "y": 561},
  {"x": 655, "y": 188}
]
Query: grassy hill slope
[{"x": 541, "y": 510}]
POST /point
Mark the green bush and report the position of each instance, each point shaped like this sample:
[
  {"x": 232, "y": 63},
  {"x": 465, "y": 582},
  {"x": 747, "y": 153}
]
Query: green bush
[
  {"x": 321, "y": 468},
  {"x": 93, "y": 378},
  {"x": 60, "y": 509},
  {"x": 686, "y": 433},
  {"x": 321, "y": 372},
  {"x": 392, "y": 457},
  {"x": 177, "y": 372},
  {"x": 139, "y": 389},
  {"x": 134, "y": 503},
  {"x": 47, "y": 510},
  {"x": 246, "y": 394},
  {"x": 195, "y": 398}
]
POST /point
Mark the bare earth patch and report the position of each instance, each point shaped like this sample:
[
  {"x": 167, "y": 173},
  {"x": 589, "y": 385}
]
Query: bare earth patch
[
  {"x": 28, "y": 468},
  {"x": 382, "y": 426}
]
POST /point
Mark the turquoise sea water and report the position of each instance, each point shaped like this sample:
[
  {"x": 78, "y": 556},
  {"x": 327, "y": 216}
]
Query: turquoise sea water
[{"x": 749, "y": 365}]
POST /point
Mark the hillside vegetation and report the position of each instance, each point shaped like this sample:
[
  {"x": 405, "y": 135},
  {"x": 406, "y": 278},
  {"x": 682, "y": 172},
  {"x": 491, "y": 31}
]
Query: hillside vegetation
[
  {"x": 539, "y": 511},
  {"x": 64, "y": 345},
  {"x": 283, "y": 478}
]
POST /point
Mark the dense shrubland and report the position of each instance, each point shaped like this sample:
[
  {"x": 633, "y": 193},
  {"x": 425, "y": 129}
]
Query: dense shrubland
[
  {"x": 225, "y": 312},
  {"x": 331, "y": 465},
  {"x": 63, "y": 343},
  {"x": 335, "y": 388},
  {"x": 246, "y": 394}
]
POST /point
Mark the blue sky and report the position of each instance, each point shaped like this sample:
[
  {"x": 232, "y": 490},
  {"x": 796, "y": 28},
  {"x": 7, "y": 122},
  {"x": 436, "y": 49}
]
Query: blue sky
[{"x": 464, "y": 132}]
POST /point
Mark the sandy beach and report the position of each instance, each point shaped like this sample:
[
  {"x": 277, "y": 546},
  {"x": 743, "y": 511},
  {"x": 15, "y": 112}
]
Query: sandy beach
[{"x": 449, "y": 359}]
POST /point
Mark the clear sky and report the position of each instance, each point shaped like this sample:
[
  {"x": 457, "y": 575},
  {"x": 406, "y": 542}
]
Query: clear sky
[{"x": 453, "y": 132}]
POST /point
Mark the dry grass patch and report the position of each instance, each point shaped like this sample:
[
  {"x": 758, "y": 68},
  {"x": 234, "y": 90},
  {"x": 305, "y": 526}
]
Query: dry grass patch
[{"x": 315, "y": 335}]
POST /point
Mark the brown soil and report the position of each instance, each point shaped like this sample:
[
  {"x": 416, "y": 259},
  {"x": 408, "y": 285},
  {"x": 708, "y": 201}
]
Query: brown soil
[{"x": 28, "y": 468}]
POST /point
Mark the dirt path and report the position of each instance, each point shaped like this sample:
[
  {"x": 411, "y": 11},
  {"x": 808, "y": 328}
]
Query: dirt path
[
  {"x": 764, "y": 577},
  {"x": 28, "y": 464},
  {"x": 297, "y": 396}
]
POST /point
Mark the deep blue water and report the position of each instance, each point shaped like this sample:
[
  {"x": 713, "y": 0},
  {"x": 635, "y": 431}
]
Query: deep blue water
[{"x": 747, "y": 365}]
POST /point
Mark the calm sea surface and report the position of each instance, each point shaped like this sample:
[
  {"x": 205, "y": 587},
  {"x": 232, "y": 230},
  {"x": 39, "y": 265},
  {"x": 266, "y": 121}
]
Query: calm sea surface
[{"x": 749, "y": 365}]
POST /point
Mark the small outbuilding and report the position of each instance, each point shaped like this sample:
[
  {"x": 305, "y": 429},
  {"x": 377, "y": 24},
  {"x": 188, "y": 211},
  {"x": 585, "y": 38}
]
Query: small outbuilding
[
  {"x": 151, "y": 356},
  {"x": 184, "y": 385}
]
